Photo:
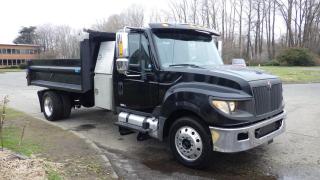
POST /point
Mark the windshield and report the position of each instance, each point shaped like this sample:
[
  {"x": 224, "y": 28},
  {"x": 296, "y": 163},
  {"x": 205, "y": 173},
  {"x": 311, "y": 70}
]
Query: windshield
[{"x": 186, "y": 48}]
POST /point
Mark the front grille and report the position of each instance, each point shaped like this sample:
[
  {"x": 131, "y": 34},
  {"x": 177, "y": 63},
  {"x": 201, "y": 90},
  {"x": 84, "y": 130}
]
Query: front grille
[
  {"x": 263, "y": 131},
  {"x": 267, "y": 99}
]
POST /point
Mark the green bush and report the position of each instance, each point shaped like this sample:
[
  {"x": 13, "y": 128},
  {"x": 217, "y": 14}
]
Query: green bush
[
  {"x": 22, "y": 66},
  {"x": 271, "y": 63},
  {"x": 296, "y": 57},
  {"x": 11, "y": 67},
  {"x": 253, "y": 63}
]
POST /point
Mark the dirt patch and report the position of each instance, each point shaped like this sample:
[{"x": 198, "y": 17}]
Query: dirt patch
[
  {"x": 13, "y": 166},
  {"x": 78, "y": 159}
]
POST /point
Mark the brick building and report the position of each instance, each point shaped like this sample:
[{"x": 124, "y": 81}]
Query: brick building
[{"x": 16, "y": 54}]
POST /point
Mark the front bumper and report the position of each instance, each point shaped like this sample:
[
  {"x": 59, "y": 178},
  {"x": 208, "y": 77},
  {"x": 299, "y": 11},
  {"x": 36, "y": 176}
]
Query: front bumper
[{"x": 240, "y": 139}]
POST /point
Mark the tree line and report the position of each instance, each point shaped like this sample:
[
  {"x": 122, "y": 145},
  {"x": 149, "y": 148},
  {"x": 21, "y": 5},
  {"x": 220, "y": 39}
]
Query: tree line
[
  {"x": 253, "y": 29},
  {"x": 56, "y": 41}
]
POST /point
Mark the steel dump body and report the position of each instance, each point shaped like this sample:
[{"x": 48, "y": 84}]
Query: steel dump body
[
  {"x": 71, "y": 75},
  {"x": 57, "y": 74}
]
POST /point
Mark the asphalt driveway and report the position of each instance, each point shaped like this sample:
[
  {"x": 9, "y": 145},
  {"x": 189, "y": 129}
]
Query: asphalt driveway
[{"x": 293, "y": 155}]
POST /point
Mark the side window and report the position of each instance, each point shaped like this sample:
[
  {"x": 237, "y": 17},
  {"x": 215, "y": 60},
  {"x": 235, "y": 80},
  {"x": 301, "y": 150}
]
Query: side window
[
  {"x": 145, "y": 54},
  {"x": 139, "y": 56},
  {"x": 134, "y": 52}
]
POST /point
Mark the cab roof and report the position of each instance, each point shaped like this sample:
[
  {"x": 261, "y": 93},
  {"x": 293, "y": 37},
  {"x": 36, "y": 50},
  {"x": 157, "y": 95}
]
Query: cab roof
[{"x": 183, "y": 27}]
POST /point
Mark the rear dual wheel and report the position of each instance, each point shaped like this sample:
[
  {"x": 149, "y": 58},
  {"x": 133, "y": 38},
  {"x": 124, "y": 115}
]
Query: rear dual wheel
[{"x": 56, "y": 106}]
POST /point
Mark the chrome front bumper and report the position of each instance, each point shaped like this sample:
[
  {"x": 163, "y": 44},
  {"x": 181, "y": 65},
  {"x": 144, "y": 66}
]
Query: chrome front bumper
[{"x": 227, "y": 139}]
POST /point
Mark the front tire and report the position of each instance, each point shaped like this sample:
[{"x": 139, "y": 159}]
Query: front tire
[
  {"x": 190, "y": 142},
  {"x": 52, "y": 106}
]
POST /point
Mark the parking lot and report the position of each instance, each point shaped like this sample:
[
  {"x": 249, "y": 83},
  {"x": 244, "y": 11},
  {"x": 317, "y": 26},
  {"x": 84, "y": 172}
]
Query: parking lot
[{"x": 293, "y": 155}]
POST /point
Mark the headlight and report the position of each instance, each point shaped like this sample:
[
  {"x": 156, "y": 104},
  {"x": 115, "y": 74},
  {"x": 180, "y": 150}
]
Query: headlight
[{"x": 225, "y": 106}]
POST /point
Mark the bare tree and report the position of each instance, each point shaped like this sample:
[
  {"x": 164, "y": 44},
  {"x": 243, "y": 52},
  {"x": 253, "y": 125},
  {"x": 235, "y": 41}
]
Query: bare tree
[
  {"x": 58, "y": 41},
  {"x": 249, "y": 30},
  {"x": 113, "y": 24},
  {"x": 240, "y": 27},
  {"x": 133, "y": 16}
]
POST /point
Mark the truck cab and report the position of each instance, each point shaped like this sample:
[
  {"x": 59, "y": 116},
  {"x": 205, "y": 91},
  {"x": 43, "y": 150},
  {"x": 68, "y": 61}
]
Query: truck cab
[{"x": 166, "y": 81}]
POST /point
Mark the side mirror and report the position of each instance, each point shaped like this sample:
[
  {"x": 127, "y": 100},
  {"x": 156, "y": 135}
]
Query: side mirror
[
  {"x": 122, "y": 45},
  {"x": 122, "y": 65},
  {"x": 122, "y": 52}
]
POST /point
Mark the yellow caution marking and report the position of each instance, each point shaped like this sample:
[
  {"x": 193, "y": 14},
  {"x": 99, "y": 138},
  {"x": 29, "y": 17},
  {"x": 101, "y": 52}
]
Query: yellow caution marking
[
  {"x": 120, "y": 49},
  {"x": 215, "y": 136}
]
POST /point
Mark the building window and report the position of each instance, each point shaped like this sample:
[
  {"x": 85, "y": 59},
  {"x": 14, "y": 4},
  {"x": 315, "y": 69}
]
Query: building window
[
  {"x": 4, "y": 51},
  {"x": 18, "y": 51},
  {"x": 13, "y": 51},
  {"x": 8, "y": 51}
]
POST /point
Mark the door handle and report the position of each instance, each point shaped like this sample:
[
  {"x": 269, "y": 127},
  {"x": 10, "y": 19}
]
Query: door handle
[{"x": 133, "y": 75}]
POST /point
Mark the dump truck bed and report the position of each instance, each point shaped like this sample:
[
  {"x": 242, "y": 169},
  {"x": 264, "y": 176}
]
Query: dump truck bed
[
  {"x": 71, "y": 75},
  {"x": 60, "y": 74}
]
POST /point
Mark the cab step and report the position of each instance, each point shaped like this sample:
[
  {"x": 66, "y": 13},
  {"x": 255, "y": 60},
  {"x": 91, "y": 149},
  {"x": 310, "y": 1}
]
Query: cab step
[
  {"x": 132, "y": 127},
  {"x": 147, "y": 126}
]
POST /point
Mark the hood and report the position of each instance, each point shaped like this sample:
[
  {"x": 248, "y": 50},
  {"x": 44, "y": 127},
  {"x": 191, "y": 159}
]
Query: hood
[
  {"x": 248, "y": 74},
  {"x": 228, "y": 72}
]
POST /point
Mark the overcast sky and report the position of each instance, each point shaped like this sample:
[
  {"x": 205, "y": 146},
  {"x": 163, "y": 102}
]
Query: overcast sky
[{"x": 75, "y": 13}]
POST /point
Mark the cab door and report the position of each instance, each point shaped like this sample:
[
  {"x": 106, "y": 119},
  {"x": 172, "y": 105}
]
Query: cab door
[{"x": 138, "y": 89}]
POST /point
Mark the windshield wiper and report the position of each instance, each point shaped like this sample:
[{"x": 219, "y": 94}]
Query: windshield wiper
[{"x": 190, "y": 65}]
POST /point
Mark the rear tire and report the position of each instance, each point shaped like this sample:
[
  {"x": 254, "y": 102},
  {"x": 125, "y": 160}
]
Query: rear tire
[
  {"x": 66, "y": 101},
  {"x": 190, "y": 142},
  {"x": 52, "y": 106}
]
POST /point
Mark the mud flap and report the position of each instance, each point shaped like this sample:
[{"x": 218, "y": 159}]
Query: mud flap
[{"x": 40, "y": 95}]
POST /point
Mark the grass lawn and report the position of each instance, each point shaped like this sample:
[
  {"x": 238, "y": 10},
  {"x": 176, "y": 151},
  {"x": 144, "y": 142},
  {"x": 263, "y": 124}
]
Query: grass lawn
[
  {"x": 3, "y": 70},
  {"x": 12, "y": 137},
  {"x": 295, "y": 74},
  {"x": 11, "y": 141},
  {"x": 44, "y": 141}
]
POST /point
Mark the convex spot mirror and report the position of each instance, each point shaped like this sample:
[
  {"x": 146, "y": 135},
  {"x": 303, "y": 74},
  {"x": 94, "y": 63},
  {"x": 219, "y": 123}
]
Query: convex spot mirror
[
  {"x": 122, "y": 52},
  {"x": 122, "y": 65}
]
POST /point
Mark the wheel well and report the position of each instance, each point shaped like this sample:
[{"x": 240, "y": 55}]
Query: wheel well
[{"x": 174, "y": 116}]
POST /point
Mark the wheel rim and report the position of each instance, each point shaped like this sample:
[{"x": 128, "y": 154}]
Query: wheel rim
[
  {"x": 48, "y": 107},
  {"x": 188, "y": 143}
]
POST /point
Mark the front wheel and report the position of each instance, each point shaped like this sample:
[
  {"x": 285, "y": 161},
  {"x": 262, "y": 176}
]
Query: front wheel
[{"x": 190, "y": 142}]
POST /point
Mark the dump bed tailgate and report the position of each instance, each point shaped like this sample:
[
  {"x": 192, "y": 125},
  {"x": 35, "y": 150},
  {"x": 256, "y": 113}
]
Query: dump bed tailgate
[{"x": 60, "y": 74}]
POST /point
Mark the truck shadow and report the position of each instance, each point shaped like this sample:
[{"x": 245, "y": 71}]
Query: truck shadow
[
  {"x": 244, "y": 165},
  {"x": 158, "y": 160}
]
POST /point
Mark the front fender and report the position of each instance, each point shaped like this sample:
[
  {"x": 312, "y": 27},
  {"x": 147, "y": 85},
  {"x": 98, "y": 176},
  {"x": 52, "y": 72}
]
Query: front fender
[{"x": 194, "y": 96}]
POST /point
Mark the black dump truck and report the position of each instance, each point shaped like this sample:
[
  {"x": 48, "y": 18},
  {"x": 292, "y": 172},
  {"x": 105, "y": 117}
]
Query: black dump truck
[{"x": 166, "y": 81}]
